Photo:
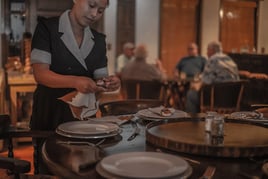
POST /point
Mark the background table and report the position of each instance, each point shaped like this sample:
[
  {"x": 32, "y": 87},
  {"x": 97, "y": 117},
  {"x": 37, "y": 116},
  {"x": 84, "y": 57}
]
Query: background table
[{"x": 17, "y": 83}]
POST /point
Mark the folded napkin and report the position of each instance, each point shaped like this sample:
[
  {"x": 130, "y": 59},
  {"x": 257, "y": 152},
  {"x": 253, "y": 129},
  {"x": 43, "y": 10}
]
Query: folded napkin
[
  {"x": 80, "y": 157},
  {"x": 82, "y": 105}
]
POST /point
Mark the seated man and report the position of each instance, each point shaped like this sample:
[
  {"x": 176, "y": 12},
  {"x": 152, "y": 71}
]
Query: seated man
[
  {"x": 188, "y": 68},
  {"x": 139, "y": 69},
  {"x": 125, "y": 57},
  {"x": 219, "y": 68},
  {"x": 191, "y": 65}
]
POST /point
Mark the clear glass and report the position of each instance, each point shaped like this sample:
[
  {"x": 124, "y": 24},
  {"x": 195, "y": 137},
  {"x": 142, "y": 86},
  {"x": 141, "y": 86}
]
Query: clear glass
[
  {"x": 208, "y": 121},
  {"x": 217, "y": 126}
]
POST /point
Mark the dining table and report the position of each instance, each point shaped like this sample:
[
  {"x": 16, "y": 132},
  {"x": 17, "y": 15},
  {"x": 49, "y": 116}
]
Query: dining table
[{"x": 77, "y": 158}]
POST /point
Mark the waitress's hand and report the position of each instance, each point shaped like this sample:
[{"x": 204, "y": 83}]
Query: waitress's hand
[
  {"x": 87, "y": 85},
  {"x": 112, "y": 83}
]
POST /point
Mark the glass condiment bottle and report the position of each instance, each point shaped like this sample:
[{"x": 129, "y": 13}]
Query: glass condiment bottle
[
  {"x": 217, "y": 126},
  {"x": 208, "y": 121}
]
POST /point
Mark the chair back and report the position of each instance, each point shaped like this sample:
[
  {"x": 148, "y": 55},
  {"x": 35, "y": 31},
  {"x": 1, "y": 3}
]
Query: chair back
[
  {"x": 130, "y": 106},
  {"x": 222, "y": 97},
  {"x": 4, "y": 123},
  {"x": 138, "y": 89}
]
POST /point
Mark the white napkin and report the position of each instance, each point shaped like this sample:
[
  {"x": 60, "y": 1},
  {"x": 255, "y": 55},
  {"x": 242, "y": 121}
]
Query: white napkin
[{"x": 82, "y": 105}]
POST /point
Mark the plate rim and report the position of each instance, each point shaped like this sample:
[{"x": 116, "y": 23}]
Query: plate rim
[
  {"x": 162, "y": 117},
  {"x": 77, "y": 136},
  {"x": 106, "y": 174},
  {"x": 260, "y": 117},
  {"x": 72, "y": 123},
  {"x": 163, "y": 156}
]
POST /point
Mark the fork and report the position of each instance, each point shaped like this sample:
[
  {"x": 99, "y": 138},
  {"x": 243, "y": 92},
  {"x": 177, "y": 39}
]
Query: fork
[
  {"x": 136, "y": 131},
  {"x": 209, "y": 172},
  {"x": 82, "y": 143}
]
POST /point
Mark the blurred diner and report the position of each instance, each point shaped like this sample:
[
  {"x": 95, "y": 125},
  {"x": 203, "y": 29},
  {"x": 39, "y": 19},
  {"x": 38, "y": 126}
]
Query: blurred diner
[
  {"x": 187, "y": 68},
  {"x": 219, "y": 68},
  {"x": 139, "y": 69},
  {"x": 126, "y": 56},
  {"x": 190, "y": 65}
]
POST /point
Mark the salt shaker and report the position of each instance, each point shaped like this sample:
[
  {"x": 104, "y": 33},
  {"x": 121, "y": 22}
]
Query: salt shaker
[
  {"x": 209, "y": 119},
  {"x": 217, "y": 126}
]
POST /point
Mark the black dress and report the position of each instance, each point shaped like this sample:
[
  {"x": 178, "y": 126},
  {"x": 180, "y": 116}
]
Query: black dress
[{"x": 48, "y": 111}]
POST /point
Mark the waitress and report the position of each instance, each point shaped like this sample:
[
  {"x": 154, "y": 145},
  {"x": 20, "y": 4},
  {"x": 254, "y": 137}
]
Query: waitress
[{"x": 67, "y": 55}]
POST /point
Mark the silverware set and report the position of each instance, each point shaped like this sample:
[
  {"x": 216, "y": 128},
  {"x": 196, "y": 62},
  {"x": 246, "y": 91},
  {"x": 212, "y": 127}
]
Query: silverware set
[
  {"x": 82, "y": 143},
  {"x": 136, "y": 130}
]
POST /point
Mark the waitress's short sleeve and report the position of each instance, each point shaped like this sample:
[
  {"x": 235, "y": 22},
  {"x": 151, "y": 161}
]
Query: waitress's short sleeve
[{"x": 41, "y": 41}]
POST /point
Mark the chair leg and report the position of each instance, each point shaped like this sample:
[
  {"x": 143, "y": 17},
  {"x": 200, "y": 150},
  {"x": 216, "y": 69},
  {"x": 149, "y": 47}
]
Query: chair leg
[
  {"x": 17, "y": 176},
  {"x": 11, "y": 155},
  {"x": 39, "y": 165},
  {"x": 10, "y": 148},
  {"x": 36, "y": 156}
]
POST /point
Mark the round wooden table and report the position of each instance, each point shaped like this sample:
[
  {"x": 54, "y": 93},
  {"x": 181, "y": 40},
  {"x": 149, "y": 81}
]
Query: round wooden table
[{"x": 241, "y": 139}]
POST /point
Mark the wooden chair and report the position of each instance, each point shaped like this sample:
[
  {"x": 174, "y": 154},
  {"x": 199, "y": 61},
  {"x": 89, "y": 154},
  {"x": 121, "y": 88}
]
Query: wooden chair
[
  {"x": 130, "y": 106},
  {"x": 139, "y": 89},
  {"x": 8, "y": 133},
  {"x": 222, "y": 97},
  {"x": 15, "y": 166}
]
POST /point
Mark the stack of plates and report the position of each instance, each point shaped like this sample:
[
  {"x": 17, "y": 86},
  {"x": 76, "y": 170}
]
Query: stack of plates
[
  {"x": 143, "y": 165},
  {"x": 87, "y": 130},
  {"x": 149, "y": 114}
]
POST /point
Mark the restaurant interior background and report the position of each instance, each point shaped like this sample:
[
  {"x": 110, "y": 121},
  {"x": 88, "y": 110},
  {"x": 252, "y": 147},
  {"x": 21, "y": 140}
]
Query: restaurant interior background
[{"x": 165, "y": 26}]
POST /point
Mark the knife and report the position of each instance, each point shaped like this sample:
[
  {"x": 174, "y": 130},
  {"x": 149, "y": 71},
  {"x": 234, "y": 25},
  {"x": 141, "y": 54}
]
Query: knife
[{"x": 136, "y": 131}]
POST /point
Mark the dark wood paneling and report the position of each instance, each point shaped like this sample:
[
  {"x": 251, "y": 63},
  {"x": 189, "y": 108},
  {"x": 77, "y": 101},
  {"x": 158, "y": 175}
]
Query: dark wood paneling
[
  {"x": 50, "y": 8},
  {"x": 178, "y": 27},
  {"x": 256, "y": 91},
  {"x": 125, "y": 23},
  {"x": 255, "y": 63},
  {"x": 238, "y": 26}
]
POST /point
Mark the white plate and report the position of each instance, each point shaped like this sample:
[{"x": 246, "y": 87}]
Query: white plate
[
  {"x": 144, "y": 165},
  {"x": 149, "y": 114},
  {"x": 119, "y": 120},
  {"x": 87, "y": 128},
  {"x": 248, "y": 116},
  {"x": 97, "y": 136},
  {"x": 106, "y": 174}
]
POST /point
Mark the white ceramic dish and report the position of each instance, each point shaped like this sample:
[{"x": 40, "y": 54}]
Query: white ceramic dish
[
  {"x": 144, "y": 165},
  {"x": 106, "y": 174},
  {"x": 248, "y": 116},
  {"x": 87, "y": 128},
  {"x": 97, "y": 136},
  {"x": 149, "y": 114}
]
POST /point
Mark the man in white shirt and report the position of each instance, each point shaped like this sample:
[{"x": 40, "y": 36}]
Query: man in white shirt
[{"x": 125, "y": 57}]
